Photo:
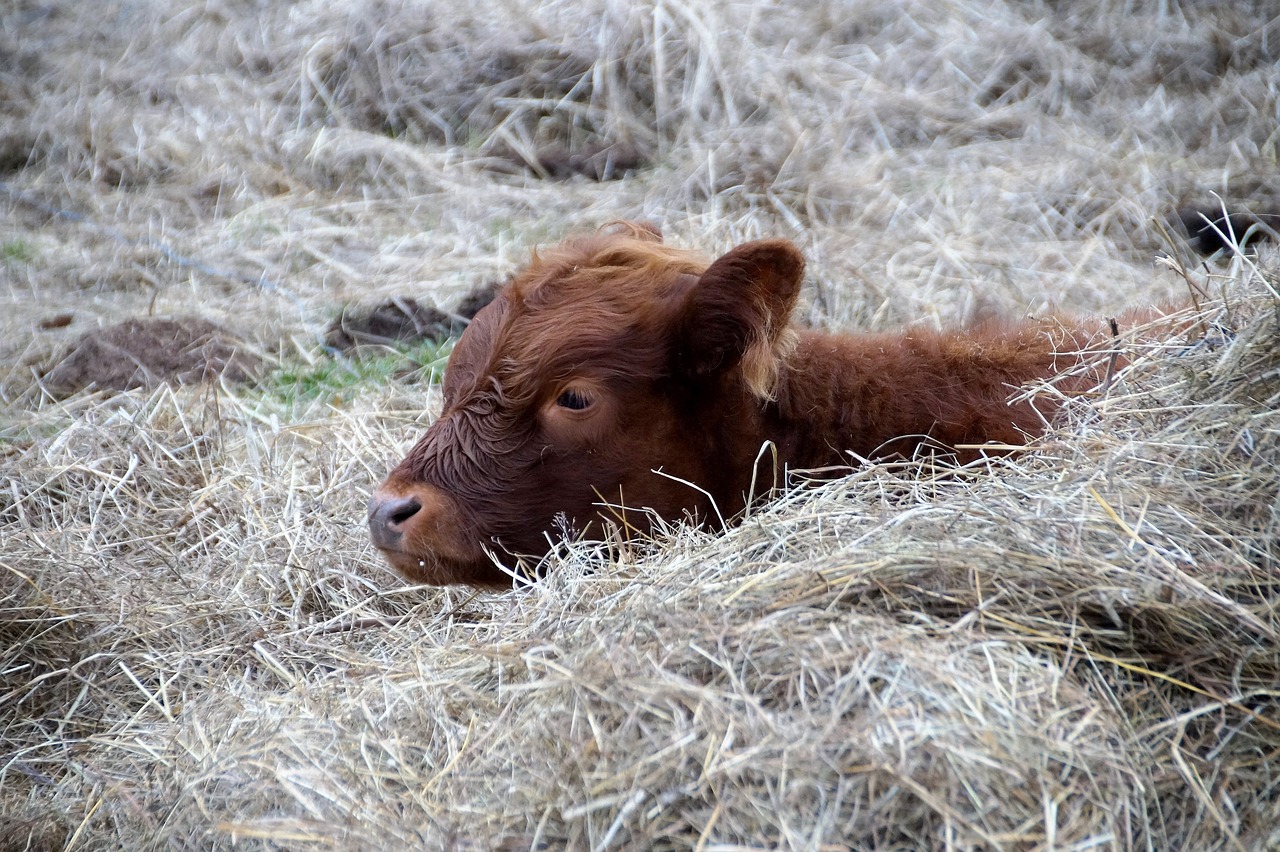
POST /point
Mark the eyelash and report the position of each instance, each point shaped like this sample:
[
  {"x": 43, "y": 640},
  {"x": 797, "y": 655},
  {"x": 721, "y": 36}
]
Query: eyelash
[{"x": 573, "y": 400}]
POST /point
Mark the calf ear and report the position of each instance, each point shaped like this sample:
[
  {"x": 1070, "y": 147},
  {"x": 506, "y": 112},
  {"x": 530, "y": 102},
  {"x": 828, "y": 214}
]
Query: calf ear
[{"x": 738, "y": 312}]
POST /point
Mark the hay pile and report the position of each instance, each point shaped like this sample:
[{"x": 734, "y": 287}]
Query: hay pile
[{"x": 1077, "y": 646}]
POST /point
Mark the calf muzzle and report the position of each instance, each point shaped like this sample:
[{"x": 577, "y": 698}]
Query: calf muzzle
[{"x": 421, "y": 532}]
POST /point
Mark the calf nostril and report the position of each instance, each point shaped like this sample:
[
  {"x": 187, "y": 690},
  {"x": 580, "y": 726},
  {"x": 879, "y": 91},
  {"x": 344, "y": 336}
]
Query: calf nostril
[
  {"x": 388, "y": 517},
  {"x": 402, "y": 510}
]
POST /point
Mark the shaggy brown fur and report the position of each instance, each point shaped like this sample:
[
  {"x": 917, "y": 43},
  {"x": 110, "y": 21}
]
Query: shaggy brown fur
[{"x": 613, "y": 356}]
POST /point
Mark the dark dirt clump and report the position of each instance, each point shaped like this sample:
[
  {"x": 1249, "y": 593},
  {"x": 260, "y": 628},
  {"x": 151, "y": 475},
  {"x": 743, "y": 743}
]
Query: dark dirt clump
[
  {"x": 475, "y": 301},
  {"x": 146, "y": 352},
  {"x": 398, "y": 320},
  {"x": 1210, "y": 228},
  {"x": 403, "y": 320},
  {"x": 595, "y": 162}
]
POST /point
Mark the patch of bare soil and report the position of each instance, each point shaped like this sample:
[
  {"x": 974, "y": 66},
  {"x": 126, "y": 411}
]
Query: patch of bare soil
[{"x": 140, "y": 353}]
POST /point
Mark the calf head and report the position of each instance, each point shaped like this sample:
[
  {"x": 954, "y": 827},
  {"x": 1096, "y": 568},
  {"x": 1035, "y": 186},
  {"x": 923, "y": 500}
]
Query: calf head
[{"x": 609, "y": 358}]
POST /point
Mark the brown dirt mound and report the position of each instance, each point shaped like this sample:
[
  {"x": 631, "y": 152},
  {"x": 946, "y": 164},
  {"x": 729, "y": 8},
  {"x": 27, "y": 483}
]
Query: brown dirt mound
[{"x": 146, "y": 352}]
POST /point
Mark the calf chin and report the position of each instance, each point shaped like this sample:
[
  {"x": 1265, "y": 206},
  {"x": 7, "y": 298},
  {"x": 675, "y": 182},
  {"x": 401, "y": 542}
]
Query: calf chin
[{"x": 433, "y": 569}]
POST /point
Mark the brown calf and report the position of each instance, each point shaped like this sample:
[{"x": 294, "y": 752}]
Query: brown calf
[{"x": 612, "y": 357}]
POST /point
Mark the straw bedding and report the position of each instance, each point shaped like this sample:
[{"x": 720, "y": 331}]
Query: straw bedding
[{"x": 1073, "y": 646}]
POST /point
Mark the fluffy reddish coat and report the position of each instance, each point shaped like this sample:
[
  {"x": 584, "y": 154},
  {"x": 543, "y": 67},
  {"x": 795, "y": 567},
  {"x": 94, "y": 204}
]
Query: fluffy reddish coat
[{"x": 613, "y": 356}]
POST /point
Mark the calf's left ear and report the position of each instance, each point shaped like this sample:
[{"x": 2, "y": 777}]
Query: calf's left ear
[{"x": 738, "y": 313}]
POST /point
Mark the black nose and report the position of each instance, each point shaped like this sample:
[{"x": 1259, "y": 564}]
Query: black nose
[{"x": 387, "y": 518}]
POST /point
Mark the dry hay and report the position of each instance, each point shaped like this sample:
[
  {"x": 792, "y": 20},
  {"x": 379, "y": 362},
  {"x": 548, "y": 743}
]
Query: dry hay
[
  {"x": 1078, "y": 645},
  {"x": 1073, "y": 647}
]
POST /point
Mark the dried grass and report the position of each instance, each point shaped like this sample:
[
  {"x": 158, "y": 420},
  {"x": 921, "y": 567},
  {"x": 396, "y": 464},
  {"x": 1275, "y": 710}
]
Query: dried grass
[{"x": 1072, "y": 647}]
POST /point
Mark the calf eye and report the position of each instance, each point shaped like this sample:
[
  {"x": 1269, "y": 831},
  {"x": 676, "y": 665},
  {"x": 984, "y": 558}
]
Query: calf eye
[{"x": 574, "y": 400}]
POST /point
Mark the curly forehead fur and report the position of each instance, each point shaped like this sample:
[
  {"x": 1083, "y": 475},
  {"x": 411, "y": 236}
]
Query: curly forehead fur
[
  {"x": 627, "y": 266},
  {"x": 603, "y": 301},
  {"x": 594, "y": 303}
]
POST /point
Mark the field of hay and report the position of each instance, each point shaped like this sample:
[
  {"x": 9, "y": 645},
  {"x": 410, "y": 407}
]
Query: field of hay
[{"x": 1074, "y": 647}]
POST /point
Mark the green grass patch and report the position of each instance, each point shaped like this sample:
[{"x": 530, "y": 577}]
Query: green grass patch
[
  {"x": 17, "y": 251},
  {"x": 330, "y": 379}
]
